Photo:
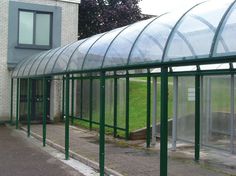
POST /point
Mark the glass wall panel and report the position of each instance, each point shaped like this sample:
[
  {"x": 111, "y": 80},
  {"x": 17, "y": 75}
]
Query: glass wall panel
[
  {"x": 186, "y": 109},
  {"x": 26, "y": 27},
  {"x": 225, "y": 35},
  {"x": 119, "y": 50},
  {"x": 85, "y": 102},
  {"x": 109, "y": 102},
  {"x": 42, "y": 65},
  {"x": 77, "y": 58},
  {"x": 96, "y": 99},
  {"x": 121, "y": 97},
  {"x": 151, "y": 43},
  {"x": 96, "y": 54},
  {"x": 215, "y": 120},
  {"x": 42, "y": 29},
  {"x": 64, "y": 57},
  {"x": 194, "y": 34},
  {"x": 78, "y": 99},
  {"x": 138, "y": 103}
]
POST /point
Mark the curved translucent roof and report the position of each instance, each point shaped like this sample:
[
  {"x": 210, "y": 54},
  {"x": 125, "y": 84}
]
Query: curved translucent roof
[{"x": 205, "y": 31}]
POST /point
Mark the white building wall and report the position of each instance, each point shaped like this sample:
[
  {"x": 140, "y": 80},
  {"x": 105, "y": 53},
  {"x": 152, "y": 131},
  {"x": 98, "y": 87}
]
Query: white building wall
[{"x": 69, "y": 29}]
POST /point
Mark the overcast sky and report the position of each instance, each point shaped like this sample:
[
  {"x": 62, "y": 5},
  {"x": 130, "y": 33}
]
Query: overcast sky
[{"x": 157, "y": 7}]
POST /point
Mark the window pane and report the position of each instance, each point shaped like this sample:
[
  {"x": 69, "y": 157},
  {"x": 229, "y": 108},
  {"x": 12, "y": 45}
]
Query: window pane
[
  {"x": 26, "y": 25},
  {"x": 42, "y": 35}
]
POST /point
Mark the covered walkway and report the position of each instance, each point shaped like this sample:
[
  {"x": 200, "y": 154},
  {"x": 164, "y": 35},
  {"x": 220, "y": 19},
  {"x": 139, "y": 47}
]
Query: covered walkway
[{"x": 195, "y": 41}]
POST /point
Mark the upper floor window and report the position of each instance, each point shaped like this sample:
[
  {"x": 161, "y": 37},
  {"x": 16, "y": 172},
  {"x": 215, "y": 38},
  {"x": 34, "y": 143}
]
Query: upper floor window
[{"x": 34, "y": 29}]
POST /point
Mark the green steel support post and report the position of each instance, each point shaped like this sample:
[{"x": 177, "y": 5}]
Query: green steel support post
[
  {"x": 17, "y": 102},
  {"x": 67, "y": 120},
  {"x": 72, "y": 100},
  {"x": 28, "y": 106},
  {"x": 11, "y": 101},
  {"x": 44, "y": 110},
  {"x": 81, "y": 98},
  {"x": 197, "y": 117},
  {"x": 148, "y": 134},
  {"x": 164, "y": 122},
  {"x": 102, "y": 125},
  {"x": 127, "y": 108},
  {"x": 63, "y": 98},
  {"x": 115, "y": 107},
  {"x": 90, "y": 103}
]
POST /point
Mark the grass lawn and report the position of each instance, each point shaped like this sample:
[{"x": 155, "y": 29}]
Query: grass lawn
[
  {"x": 137, "y": 104},
  {"x": 220, "y": 101}
]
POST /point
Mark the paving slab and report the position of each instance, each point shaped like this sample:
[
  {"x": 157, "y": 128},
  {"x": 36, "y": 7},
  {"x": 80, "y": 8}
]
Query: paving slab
[
  {"x": 128, "y": 159},
  {"x": 19, "y": 157}
]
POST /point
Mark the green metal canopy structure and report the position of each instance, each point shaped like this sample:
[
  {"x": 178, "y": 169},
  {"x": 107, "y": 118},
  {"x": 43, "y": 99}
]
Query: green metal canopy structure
[
  {"x": 203, "y": 33},
  {"x": 184, "y": 42}
]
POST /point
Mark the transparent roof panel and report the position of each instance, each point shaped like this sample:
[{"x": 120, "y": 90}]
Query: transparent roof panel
[
  {"x": 193, "y": 36},
  {"x": 51, "y": 63},
  {"x": 228, "y": 47},
  {"x": 77, "y": 58},
  {"x": 97, "y": 52},
  {"x": 64, "y": 57},
  {"x": 42, "y": 65},
  {"x": 120, "y": 48},
  {"x": 16, "y": 70},
  {"x": 35, "y": 65},
  {"x": 25, "y": 64}
]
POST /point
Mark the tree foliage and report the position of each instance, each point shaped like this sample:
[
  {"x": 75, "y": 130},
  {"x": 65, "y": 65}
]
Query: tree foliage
[{"x": 97, "y": 16}]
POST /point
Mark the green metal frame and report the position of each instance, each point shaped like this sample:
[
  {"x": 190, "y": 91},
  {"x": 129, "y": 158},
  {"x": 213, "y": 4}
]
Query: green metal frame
[
  {"x": 115, "y": 107},
  {"x": 90, "y": 103},
  {"x": 127, "y": 108},
  {"x": 197, "y": 117},
  {"x": 81, "y": 98},
  {"x": 11, "y": 112},
  {"x": 63, "y": 98},
  {"x": 102, "y": 125},
  {"x": 29, "y": 97},
  {"x": 164, "y": 122},
  {"x": 72, "y": 99},
  {"x": 67, "y": 120},
  {"x": 148, "y": 133},
  {"x": 44, "y": 109},
  {"x": 17, "y": 102}
]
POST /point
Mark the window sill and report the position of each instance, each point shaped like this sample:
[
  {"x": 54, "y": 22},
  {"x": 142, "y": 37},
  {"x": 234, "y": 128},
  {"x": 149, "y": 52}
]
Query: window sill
[{"x": 36, "y": 47}]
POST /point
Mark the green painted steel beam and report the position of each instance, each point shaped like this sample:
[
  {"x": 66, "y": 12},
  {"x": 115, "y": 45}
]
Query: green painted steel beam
[
  {"x": 102, "y": 125},
  {"x": 67, "y": 120},
  {"x": 197, "y": 117},
  {"x": 115, "y": 107},
  {"x": 17, "y": 102},
  {"x": 148, "y": 120},
  {"x": 11, "y": 111},
  {"x": 127, "y": 109},
  {"x": 72, "y": 99},
  {"x": 44, "y": 110},
  {"x": 164, "y": 123},
  {"x": 29, "y": 97},
  {"x": 63, "y": 98},
  {"x": 81, "y": 98},
  {"x": 90, "y": 103}
]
